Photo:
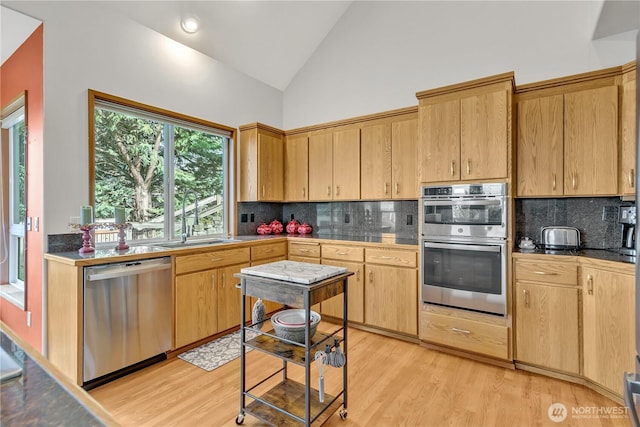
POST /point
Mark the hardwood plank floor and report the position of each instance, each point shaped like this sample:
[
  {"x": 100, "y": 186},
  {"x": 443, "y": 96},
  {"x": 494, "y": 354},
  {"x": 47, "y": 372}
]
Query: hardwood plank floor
[{"x": 390, "y": 383}]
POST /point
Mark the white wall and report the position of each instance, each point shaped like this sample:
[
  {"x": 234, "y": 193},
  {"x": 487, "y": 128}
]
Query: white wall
[
  {"x": 381, "y": 53},
  {"x": 88, "y": 47}
]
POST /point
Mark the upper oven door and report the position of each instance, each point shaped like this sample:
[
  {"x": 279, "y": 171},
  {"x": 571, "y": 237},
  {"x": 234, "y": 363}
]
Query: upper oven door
[{"x": 465, "y": 217}]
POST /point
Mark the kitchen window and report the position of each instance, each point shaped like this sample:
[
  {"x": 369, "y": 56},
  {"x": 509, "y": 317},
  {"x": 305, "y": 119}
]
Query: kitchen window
[
  {"x": 158, "y": 165},
  {"x": 13, "y": 202}
]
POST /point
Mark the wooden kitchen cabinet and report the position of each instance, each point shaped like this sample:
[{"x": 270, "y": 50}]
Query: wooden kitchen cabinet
[
  {"x": 608, "y": 315},
  {"x": 265, "y": 254},
  {"x": 262, "y": 158},
  {"x": 334, "y": 165},
  {"x": 296, "y": 168},
  {"x": 547, "y": 315},
  {"x": 391, "y": 290},
  {"x": 627, "y": 184},
  {"x": 388, "y": 161},
  {"x": 351, "y": 258},
  {"x": 465, "y": 130},
  {"x": 591, "y": 142}
]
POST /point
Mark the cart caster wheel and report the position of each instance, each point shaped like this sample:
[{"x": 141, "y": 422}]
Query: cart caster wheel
[
  {"x": 240, "y": 419},
  {"x": 343, "y": 414}
]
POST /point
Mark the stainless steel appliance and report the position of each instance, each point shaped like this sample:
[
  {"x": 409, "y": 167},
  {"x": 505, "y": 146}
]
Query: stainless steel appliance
[
  {"x": 560, "y": 238},
  {"x": 127, "y": 317},
  {"x": 631, "y": 380},
  {"x": 463, "y": 250},
  {"x": 627, "y": 217}
]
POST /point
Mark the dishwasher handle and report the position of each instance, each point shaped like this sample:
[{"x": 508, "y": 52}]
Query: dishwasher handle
[{"x": 129, "y": 269}]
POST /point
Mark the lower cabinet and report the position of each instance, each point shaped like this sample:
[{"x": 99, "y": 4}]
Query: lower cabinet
[
  {"x": 206, "y": 303},
  {"x": 391, "y": 298},
  {"x": 355, "y": 294},
  {"x": 263, "y": 255},
  {"x": 608, "y": 334}
]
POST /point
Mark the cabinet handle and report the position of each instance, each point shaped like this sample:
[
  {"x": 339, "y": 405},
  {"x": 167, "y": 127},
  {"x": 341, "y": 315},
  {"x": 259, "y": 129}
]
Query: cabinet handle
[
  {"x": 328, "y": 190},
  {"x": 452, "y": 168},
  {"x": 526, "y": 297},
  {"x": 397, "y": 188},
  {"x": 213, "y": 281},
  {"x": 462, "y": 331},
  {"x": 337, "y": 190},
  {"x": 358, "y": 274},
  {"x": 384, "y": 257},
  {"x": 589, "y": 284},
  {"x": 545, "y": 273},
  {"x": 341, "y": 253},
  {"x": 263, "y": 191},
  {"x": 573, "y": 181},
  {"x": 303, "y": 250},
  {"x": 371, "y": 276},
  {"x": 213, "y": 259},
  {"x": 632, "y": 173},
  {"x": 554, "y": 181},
  {"x": 385, "y": 188},
  {"x": 468, "y": 166},
  {"x": 223, "y": 280},
  {"x": 303, "y": 192}
]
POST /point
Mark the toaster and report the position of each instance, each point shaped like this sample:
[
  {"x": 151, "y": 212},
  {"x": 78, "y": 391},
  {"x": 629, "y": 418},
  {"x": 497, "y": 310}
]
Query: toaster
[{"x": 560, "y": 238}]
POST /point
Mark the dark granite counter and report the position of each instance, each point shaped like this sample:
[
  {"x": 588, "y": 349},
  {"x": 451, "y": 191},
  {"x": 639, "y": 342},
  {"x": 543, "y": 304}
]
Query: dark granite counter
[
  {"x": 346, "y": 238},
  {"x": 601, "y": 254},
  {"x": 38, "y": 398}
]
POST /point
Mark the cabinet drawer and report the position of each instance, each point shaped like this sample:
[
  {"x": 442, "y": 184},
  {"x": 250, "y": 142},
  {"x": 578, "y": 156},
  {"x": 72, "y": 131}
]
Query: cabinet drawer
[
  {"x": 550, "y": 272},
  {"x": 465, "y": 334},
  {"x": 305, "y": 249},
  {"x": 207, "y": 260},
  {"x": 268, "y": 251},
  {"x": 342, "y": 253},
  {"x": 395, "y": 257}
]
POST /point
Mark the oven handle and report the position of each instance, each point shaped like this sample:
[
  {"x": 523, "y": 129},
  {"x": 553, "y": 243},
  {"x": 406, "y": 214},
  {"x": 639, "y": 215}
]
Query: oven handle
[
  {"x": 477, "y": 248},
  {"x": 450, "y": 202}
]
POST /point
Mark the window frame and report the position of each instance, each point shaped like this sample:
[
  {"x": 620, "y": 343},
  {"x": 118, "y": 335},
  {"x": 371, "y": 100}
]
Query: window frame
[{"x": 96, "y": 98}]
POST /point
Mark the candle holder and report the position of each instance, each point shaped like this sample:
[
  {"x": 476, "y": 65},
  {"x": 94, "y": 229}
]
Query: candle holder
[
  {"x": 122, "y": 245},
  {"x": 86, "y": 239}
]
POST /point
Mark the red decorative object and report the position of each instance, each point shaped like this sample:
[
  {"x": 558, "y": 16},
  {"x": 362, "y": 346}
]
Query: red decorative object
[
  {"x": 304, "y": 228},
  {"x": 292, "y": 226},
  {"x": 86, "y": 239},
  {"x": 122, "y": 245},
  {"x": 276, "y": 227},
  {"x": 264, "y": 229}
]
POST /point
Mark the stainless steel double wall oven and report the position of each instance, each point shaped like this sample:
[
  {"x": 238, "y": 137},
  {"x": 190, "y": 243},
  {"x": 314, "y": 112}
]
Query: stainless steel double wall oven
[{"x": 464, "y": 251}]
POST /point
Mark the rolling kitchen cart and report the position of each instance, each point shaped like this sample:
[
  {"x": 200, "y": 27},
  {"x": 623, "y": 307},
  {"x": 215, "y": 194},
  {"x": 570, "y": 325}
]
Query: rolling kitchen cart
[{"x": 299, "y": 285}]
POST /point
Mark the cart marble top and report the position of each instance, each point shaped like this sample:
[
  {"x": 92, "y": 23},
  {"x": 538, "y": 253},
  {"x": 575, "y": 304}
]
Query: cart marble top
[{"x": 294, "y": 271}]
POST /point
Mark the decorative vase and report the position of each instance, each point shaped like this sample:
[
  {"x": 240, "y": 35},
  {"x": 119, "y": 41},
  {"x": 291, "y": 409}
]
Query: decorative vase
[
  {"x": 292, "y": 226},
  {"x": 264, "y": 229},
  {"x": 304, "y": 228}
]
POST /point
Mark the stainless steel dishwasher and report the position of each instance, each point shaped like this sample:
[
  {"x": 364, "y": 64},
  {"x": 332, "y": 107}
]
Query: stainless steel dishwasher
[{"x": 127, "y": 317}]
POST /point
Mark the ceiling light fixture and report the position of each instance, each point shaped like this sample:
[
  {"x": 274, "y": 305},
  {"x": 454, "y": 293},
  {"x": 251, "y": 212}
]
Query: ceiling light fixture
[{"x": 190, "y": 24}]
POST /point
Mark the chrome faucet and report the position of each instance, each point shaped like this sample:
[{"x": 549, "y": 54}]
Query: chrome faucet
[{"x": 184, "y": 233}]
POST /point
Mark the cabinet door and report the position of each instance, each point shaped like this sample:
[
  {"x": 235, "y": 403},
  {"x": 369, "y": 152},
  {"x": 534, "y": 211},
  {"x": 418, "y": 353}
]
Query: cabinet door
[
  {"x": 608, "y": 326},
  {"x": 355, "y": 293},
  {"x": 228, "y": 297},
  {"x": 270, "y": 167},
  {"x": 296, "y": 168},
  {"x": 375, "y": 162},
  {"x": 404, "y": 160},
  {"x": 628, "y": 132},
  {"x": 391, "y": 298},
  {"x": 483, "y": 135},
  {"x": 196, "y": 301},
  {"x": 547, "y": 331},
  {"x": 320, "y": 166},
  {"x": 346, "y": 164},
  {"x": 591, "y": 141},
  {"x": 540, "y": 147},
  {"x": 439, "y": 145},
  {"x": 269, "y": 306}
]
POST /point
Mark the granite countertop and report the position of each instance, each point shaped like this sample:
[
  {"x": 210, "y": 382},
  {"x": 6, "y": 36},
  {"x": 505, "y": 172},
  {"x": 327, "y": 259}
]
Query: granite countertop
[
  {"x": 37, "y": 397},
  {"x": 602, "y": 254}
]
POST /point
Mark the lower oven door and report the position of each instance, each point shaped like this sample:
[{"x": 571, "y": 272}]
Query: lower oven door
[{"x": 467, "y": 275}]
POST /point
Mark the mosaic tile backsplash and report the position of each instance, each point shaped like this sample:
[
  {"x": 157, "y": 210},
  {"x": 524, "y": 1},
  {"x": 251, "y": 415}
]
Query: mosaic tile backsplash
[
  {"x": 595, "y": 217},
  {"x": 337, "y": 218}
]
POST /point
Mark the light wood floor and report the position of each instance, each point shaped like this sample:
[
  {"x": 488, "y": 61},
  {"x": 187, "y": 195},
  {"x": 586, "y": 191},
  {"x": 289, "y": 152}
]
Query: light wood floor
[{"x": 391, "y": 383}]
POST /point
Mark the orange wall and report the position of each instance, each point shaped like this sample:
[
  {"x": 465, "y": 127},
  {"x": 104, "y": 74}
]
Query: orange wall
[{"x": 24, "y": 71}]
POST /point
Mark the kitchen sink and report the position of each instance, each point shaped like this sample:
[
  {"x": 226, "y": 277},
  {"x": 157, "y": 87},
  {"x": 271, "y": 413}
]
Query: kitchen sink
[{"x": 192, "y": 243}]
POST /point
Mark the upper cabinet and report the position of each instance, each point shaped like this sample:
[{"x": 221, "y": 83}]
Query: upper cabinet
[
  {"x": 334, "y": 165},
  {"x": 388, "y": 162},
  {"x": 296, "y": 168},
  {"x": 261, "y": 163},
  {"x": 465, "y": 130},
  {"x": 628, "y": 131},
  {"x": 567, "y": 139}
]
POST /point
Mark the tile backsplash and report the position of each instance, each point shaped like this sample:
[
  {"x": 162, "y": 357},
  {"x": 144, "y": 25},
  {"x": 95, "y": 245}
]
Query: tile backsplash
[
  {"x": 337, "y": 218},
  {"x": 595, "y": 217}
]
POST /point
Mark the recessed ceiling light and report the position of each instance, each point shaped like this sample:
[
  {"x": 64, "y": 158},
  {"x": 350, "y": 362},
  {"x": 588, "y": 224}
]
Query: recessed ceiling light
[{"x": 190, "y": 24}]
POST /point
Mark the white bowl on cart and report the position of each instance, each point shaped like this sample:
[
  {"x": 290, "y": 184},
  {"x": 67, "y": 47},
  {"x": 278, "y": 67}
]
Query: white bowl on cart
[{"x": 289, "y": 324}]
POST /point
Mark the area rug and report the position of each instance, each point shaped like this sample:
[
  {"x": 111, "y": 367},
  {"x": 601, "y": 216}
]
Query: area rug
[{"x": 216, "y": 353}]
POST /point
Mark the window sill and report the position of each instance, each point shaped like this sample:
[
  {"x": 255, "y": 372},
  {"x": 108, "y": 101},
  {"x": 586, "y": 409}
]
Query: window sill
[{"x": 13, "y": 294}]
